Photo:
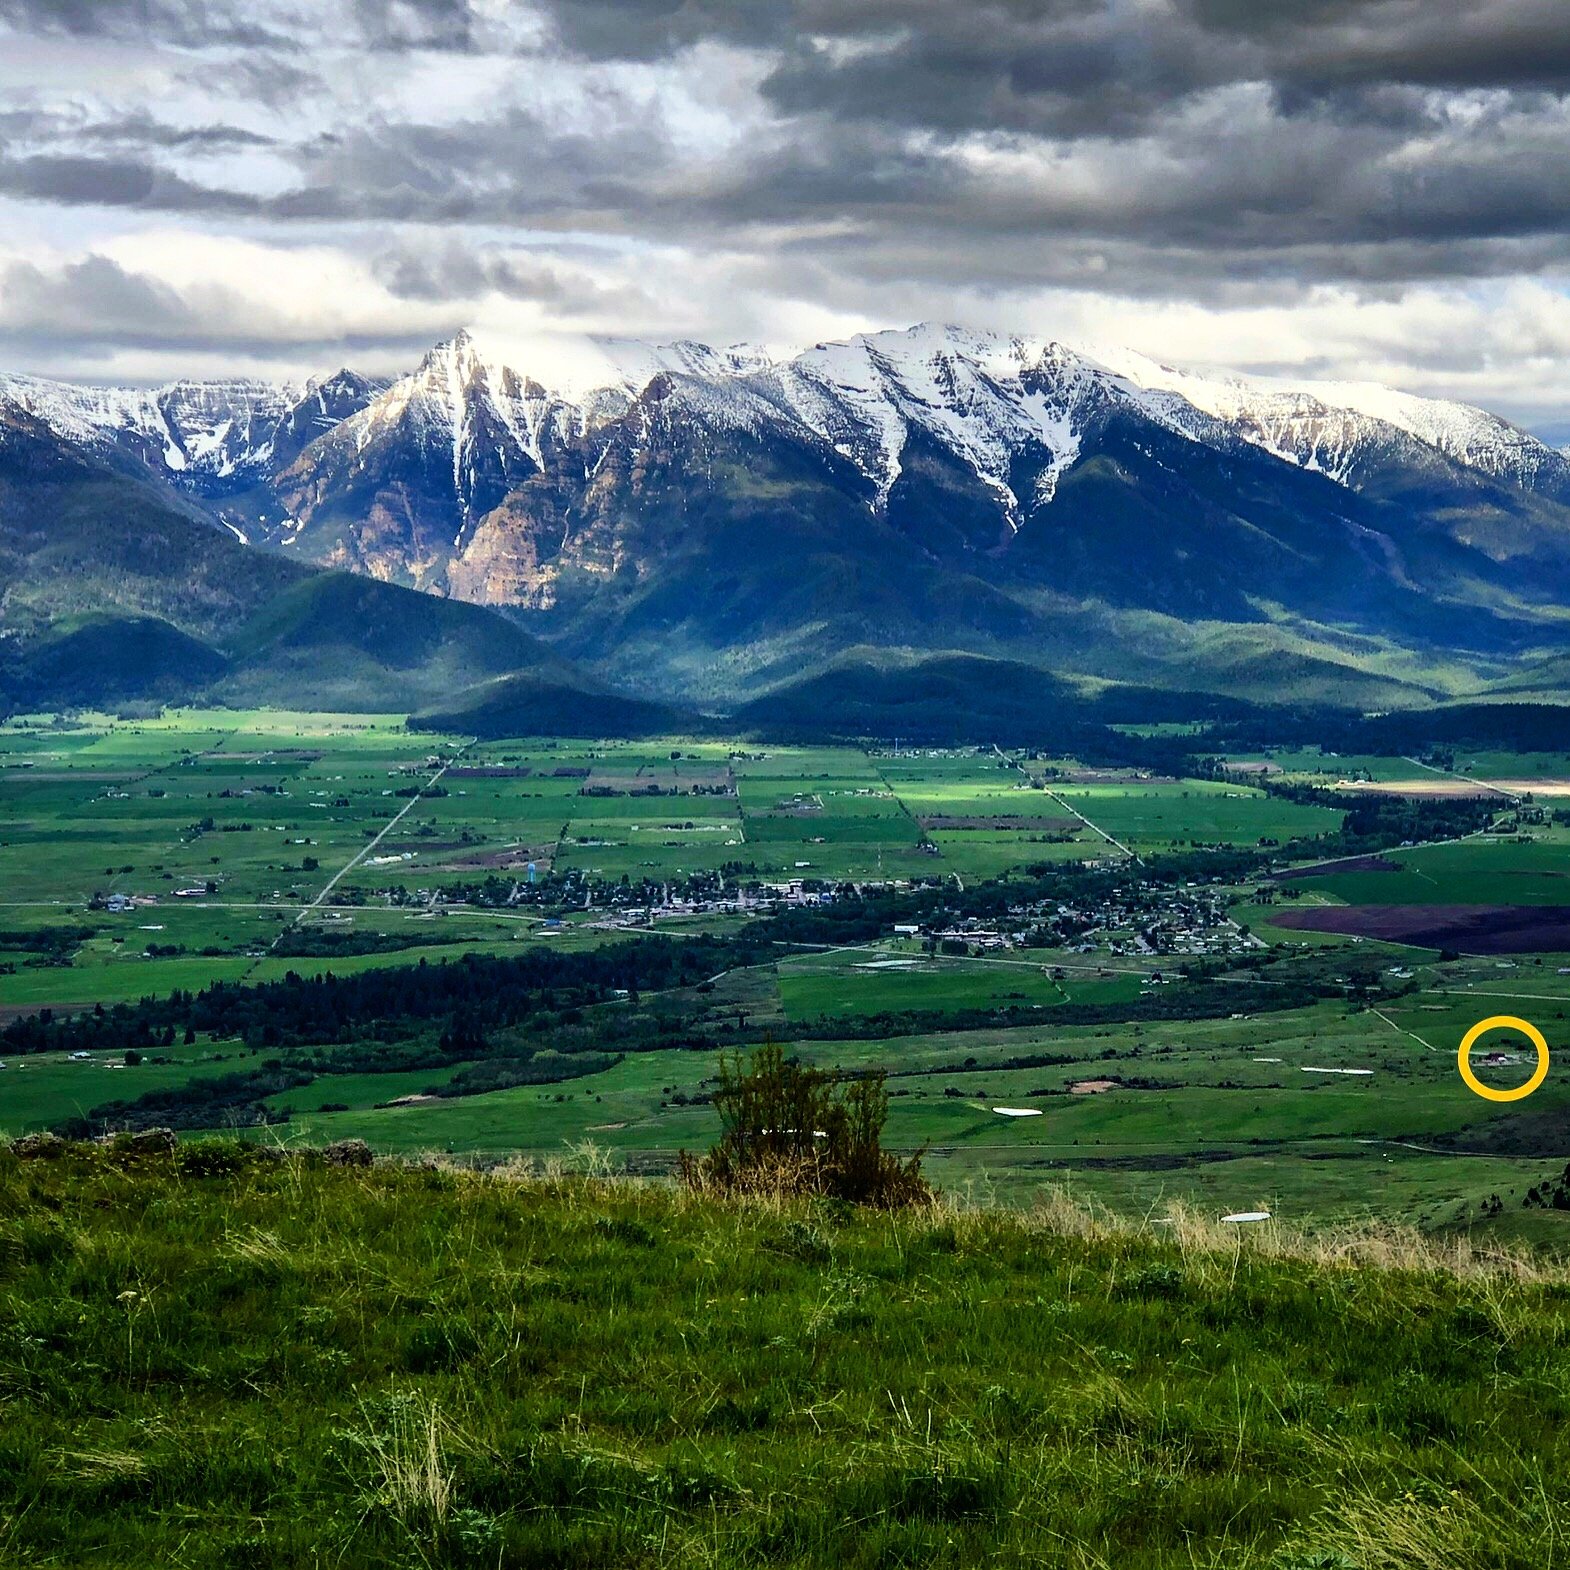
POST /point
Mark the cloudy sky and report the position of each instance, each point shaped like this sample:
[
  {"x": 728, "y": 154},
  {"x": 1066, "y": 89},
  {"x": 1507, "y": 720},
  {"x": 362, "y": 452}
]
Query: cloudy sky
[{"x": 1359, "y": 188}]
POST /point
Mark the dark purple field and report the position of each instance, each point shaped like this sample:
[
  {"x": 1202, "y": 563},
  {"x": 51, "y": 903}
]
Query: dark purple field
[{"x": 1469, "y": 929}]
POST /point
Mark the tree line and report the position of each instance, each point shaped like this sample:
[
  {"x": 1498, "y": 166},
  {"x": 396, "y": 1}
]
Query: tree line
[{"x": 494, "y": 992}]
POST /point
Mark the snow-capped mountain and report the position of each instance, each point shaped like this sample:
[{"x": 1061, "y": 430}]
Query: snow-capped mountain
[
  {"x": 207, "y": 438},
  {"x": 986, "y": 398},
  {"x": 902, "y": 486},
  {"x": 445, "y": 447},
  {"x": 994, "y": 403},
  {"x": 1472, "y": 437},
  {"x": 466, "y": 428},
  {"x": 1349, "y": 430},
  {"x": 989, "y": 400}
]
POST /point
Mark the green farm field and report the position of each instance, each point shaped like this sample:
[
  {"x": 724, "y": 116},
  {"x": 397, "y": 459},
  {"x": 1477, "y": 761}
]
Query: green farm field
[
  {"x": 1483, "y": 870},
  {"x": 337, "y": 846}
]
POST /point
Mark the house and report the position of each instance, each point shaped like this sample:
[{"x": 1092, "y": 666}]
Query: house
[{"x": 118, "y": 904}]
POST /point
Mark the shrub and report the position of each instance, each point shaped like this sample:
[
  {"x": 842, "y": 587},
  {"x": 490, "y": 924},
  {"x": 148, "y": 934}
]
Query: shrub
[
  {"x": 1160, "y": 1281},
  {"x": 790, "y": 1129}
]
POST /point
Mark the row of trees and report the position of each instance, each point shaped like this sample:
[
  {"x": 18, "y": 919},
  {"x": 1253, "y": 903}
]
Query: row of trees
[{"x": 491, "y": 992}]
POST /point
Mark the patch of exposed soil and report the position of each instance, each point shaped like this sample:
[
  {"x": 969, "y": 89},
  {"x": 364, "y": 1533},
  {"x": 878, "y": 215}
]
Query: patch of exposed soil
[
  {"x": 1426, "y": 788},
  {"x": 514, "y": 859},
  {"x": 1322, "y": 869}
]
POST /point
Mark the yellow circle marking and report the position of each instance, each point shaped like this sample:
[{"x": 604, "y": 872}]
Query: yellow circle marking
[{"x": 1503, "y": 1022}]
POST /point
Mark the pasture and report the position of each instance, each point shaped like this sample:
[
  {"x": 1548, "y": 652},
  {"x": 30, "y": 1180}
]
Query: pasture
[{"x": 313, "y": 844}]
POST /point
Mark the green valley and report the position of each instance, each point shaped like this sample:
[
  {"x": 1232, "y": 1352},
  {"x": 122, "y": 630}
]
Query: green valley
[{"x": 1069, "y": 972}]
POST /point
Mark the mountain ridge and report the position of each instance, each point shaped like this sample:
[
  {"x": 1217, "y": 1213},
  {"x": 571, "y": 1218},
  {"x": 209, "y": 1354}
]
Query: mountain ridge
[
  {"x": 197, "y": 416},
  {"x": 215, "y": 429},
  {"x": 686, "y": 520},
  {"x": 111, "y": 591}
]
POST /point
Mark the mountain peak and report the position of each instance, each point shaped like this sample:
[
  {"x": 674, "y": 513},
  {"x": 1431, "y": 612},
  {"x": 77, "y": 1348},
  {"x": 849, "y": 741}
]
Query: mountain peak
[
  {"x": 985, "y": 397},
  {"x": 341, "y": 381},
  {"x": 460, "y": 349}
]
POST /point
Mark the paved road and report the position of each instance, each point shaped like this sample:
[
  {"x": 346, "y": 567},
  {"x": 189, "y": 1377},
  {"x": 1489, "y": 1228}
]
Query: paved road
[
  {"x": 364, "y": 851},
  {"x": 1095, "y": 828}
]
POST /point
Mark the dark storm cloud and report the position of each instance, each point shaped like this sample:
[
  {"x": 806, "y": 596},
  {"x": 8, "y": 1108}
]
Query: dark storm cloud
[
  {"x": 142, "y": 130},
  {"x": 509, "y": 167},
  {"x": 1054, "y": 71},
  {"x": 1121, "y": 68},
  {"x": 1439, "y": 43},
  {"x": 1255, "y": 192},
  {"x": 1389, "y": 138},
  {"x": 451, "y": 271},
  {"x": 269, "y": 81},
  {"x": 115, "y": 182},
  {"x": 648, "y": 29},
  {"x": 138, "y": 129},
  {"x": 95, "y": 305},
  {"x": 457, "y": 271},
  {"x": 1132, "y": 145},
  {"x": 1042, "y": 46},
  {"x": 183, "y": 23},
  {"x": 89, "y": 298},
  {"x": 514, "y": 167}
]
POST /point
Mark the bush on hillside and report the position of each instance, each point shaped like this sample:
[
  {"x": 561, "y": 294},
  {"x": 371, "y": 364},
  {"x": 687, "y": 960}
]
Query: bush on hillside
[{"x": 790, "y": 1129}]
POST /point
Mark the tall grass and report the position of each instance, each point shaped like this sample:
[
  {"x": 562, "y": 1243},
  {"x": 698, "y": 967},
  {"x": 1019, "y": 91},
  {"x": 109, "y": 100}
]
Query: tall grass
[{"x": 215, "y": 1357}]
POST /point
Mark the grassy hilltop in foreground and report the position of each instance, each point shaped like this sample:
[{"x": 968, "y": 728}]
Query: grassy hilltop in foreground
[{"x": 218, "y": 1357}]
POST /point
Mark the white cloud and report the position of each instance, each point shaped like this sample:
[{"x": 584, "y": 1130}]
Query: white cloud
[
  {"x": 1504, "y": 345},
  {"x": 154, "y": 303},
  {"x": 396, "y": 168}
]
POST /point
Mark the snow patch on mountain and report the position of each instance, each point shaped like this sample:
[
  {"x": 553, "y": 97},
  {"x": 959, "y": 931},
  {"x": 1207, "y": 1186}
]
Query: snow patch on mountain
[
  {"x": 602, "y": 375},
  {"x": 212, "y": 429},
  {"x": 1016, "y": 411},
  {"x": 1332, "y": 427},
  {"x": 972, "y": 392},
  {"x": 841, "y": 392},
  {"x": 1289, "y": 424},
  {"x": 1471, "y": 436}
]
